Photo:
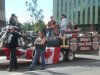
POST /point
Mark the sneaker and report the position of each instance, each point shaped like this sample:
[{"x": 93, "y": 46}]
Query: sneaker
[
  {"x": 10, "y": 69},
  {"x": 15, "y": 68},
  {"x": 43, "y": 68},
  {"x": 30, "y": 68}
]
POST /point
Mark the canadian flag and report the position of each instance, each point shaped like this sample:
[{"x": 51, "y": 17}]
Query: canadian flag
[
  {"x": 28, "y": 54},
  {"x": 52, "y": 55}
]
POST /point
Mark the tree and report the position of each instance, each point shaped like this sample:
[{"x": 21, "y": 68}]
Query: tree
[
  {"x": 35, "y": 14},
  {"x": 27, "y": 27},
  {"x": 39, "y": 26}
]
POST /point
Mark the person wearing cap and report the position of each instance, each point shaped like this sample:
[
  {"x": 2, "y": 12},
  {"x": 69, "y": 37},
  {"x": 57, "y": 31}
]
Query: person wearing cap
[
  {"x": 12, "y": 44},
  {"x": 12, "y": 20},
  {"x": 63, "y": 25},
  {"x": 40, "y": 46}
]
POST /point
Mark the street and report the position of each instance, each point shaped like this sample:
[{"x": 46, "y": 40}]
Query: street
[{"x": 82, "y": 65}]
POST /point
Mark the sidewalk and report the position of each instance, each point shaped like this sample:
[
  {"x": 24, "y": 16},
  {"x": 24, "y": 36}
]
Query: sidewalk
[{"x": 5, "y": 62}]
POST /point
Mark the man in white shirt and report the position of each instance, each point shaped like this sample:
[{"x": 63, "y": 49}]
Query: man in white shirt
[{"x": 63, "y": 25}]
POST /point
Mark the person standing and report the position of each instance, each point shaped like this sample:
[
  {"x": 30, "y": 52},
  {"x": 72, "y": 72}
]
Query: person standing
[
  {"x": 40, "y": 46},
  {"x": 12, "y": 44},
  {"x": 63, "y": 25},
  {"x": 12, "y": 20},
  {"x": 51, "y": 27}
]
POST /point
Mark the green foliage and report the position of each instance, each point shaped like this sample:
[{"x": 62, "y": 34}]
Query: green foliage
[
  {"x": 35, "y": 13},
  {"x": 40, "y": 25},
  {"x": 27, "y": 27},
  {"x": 19, "y": 25}
]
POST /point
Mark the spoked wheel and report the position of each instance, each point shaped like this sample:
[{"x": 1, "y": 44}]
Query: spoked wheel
[
  {"x": 61, "y": 56},
  {"x": 28, "y": 42},
  {"x": 70, "y": 56}
]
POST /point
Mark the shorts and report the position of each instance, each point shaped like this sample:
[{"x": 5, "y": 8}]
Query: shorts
[{"x": 62, "y": 32}]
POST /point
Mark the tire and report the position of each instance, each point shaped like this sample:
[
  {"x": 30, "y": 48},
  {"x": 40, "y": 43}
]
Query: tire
[
  {"x": 61, "y": 56},
  {"x": 70, "y": 56},
  {"x": 28, "y": 42},
  {"x": 33, "y": 39}
]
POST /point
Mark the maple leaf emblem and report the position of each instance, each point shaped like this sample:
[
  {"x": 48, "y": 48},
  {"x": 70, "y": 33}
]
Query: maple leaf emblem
[{"x": 47, "y": 53}]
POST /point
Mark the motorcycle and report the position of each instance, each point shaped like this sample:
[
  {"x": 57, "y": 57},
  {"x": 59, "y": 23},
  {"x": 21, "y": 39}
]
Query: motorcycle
[{"x": 24, "y": 42}]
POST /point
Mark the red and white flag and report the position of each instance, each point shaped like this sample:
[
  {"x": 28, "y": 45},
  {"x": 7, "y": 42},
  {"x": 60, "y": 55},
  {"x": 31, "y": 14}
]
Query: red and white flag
[
  {"x": 28, "y": 54},
  {"x": 52, "y": 55}
]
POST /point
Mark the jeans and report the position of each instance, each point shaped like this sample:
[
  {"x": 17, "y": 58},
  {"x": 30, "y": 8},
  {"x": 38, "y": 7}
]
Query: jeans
[
  {"x": 62, "y": 32},
  {"x": 37, "y": 53},
  {"x": 51, "y": 32}
]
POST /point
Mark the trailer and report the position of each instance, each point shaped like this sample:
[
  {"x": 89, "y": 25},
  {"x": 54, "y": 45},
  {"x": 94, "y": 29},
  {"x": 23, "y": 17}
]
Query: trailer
[{"x": 61, "y": 49}]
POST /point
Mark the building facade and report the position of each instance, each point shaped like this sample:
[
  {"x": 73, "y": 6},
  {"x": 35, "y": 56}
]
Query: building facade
[
  {"x": 78, "y": 11},
  {"x": 2, "y": 13}
]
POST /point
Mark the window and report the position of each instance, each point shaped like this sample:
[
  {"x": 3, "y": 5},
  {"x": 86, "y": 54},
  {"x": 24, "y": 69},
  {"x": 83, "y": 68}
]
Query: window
[
  {"x": 74, "y": 3},
  {"x": 70, "y": 9},
  {"x": 93, "y": 11},
  {"x": 65, "y": 5},
  {"x": 93, "y": 14},
  {"x": 99, "y": 11},
  {"x": 89, "y": 15},
  {"x": 84, "y": 4},
  {"x": 83, "y": 15},
  {"x": 57, "y": 9},
  {"x": 99, "y": 2},
  {"x": 93, "y": 2},
  {"x": 61, "y": 6},
  {"x": 79, "y": 1},
  {"x": 89, "y": 2},
  {"x": 74, "y": 9}
]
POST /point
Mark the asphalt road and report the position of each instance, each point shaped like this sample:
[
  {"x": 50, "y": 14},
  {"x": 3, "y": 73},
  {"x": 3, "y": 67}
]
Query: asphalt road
[{"x": 82, "y": 65}]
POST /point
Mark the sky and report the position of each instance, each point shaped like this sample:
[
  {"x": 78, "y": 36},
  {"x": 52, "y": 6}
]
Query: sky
[{"x": 18, "y": 7}]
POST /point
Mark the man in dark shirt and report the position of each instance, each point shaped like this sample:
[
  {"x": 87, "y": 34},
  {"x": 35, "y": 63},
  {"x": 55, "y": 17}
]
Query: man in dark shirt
[
  {"x": 12, "y": 44},
  {"x": 12, "y": 20}
]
